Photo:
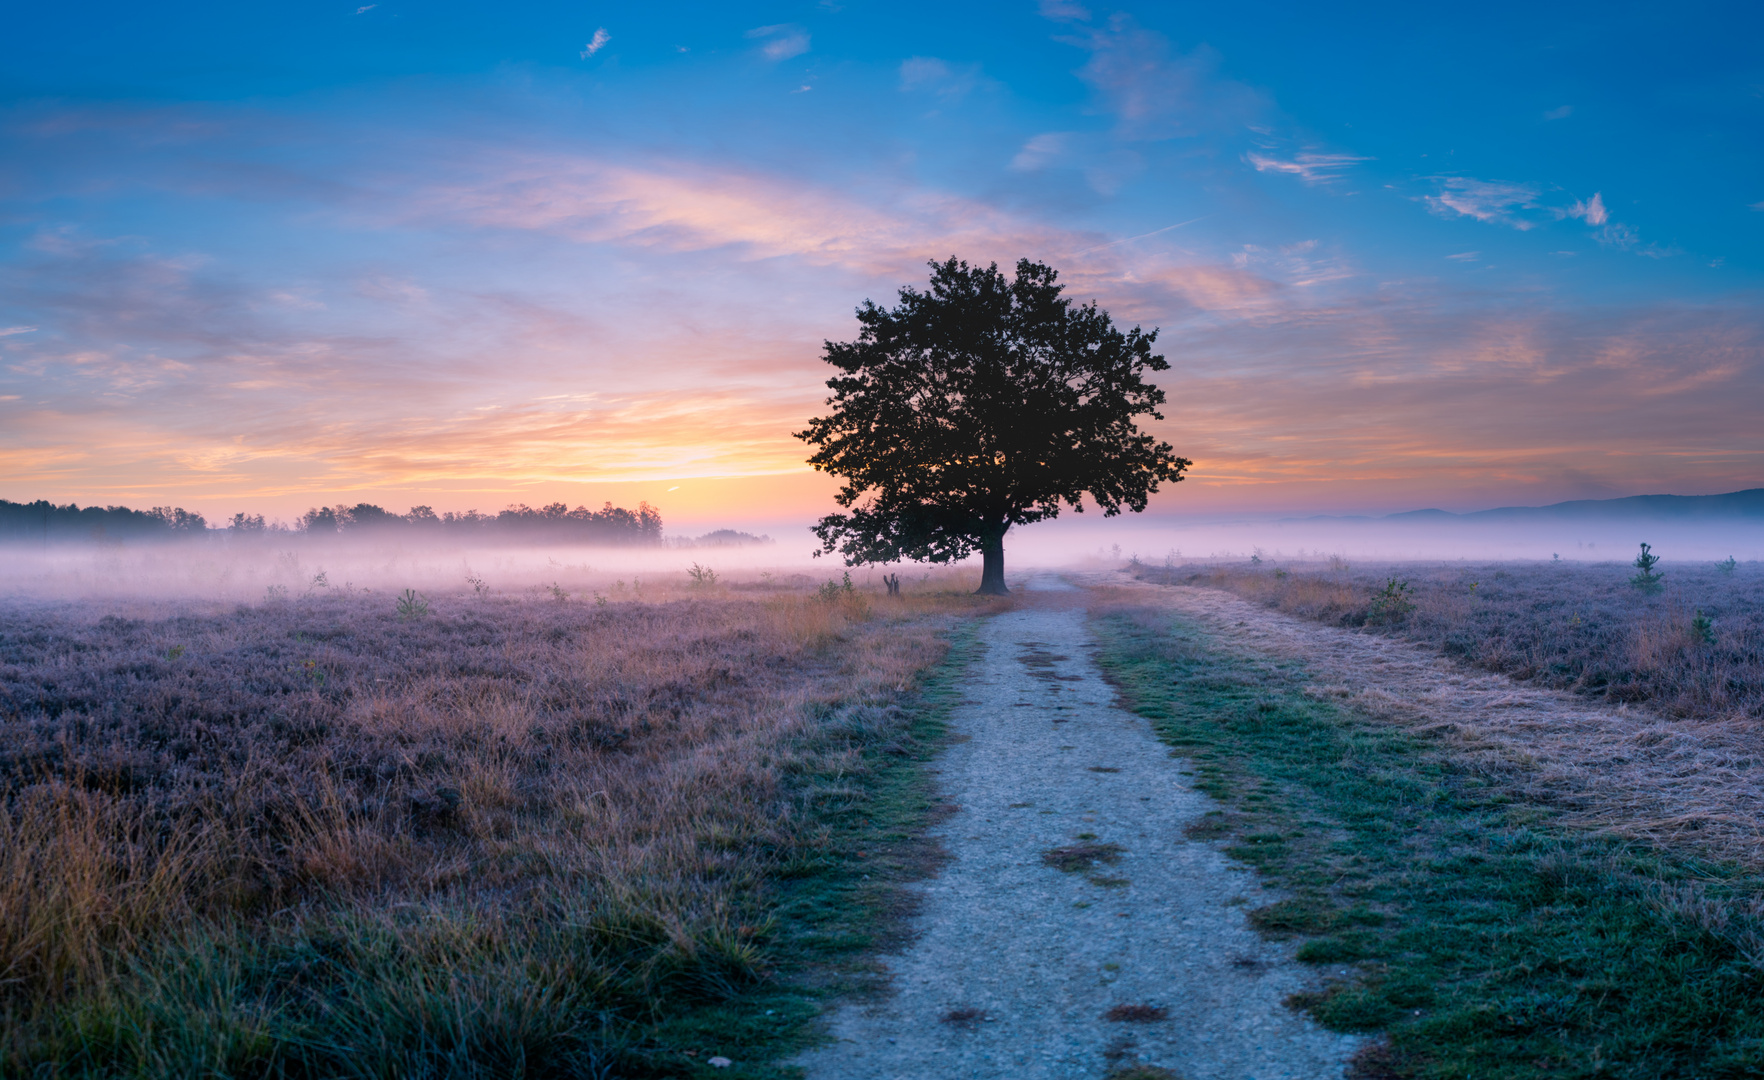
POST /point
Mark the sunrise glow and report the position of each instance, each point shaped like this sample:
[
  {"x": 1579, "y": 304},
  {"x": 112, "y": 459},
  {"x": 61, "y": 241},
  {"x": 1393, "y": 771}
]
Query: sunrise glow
[{"x": 456, "y": 257}]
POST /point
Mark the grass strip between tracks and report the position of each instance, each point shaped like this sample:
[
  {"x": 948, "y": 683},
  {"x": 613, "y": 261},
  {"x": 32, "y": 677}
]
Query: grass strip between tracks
[{"x": 1481, "y": 935}]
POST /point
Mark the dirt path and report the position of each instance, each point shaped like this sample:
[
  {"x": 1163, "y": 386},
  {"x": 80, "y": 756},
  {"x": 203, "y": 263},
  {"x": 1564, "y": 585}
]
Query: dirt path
[
  {"x": 1018, "y": 962},
  {"x": 1685, "y": 783}
]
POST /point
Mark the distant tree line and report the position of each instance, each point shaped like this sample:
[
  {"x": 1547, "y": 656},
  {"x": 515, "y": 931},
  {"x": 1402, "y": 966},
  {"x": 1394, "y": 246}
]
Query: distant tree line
[
  {"x": 44, "y": 521},
  {"x": 555, "y": 521}
]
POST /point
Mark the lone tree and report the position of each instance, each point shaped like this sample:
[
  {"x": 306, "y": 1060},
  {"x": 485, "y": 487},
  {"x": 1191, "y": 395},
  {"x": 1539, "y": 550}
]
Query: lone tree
[{"x": 982, "y": 404}]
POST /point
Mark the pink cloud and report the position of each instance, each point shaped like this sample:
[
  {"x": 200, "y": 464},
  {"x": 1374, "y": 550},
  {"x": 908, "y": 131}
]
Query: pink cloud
[
  {"x": 1493, "y": 201},
  {"x": 1592, "y": 211},
  {"x": 1312, "y": 168}
]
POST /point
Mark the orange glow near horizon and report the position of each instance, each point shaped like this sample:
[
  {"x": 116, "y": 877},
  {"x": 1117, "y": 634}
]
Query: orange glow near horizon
[{"x": 649, "y": 328}]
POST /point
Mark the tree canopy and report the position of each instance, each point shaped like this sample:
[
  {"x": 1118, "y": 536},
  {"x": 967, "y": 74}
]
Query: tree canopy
[{"x": 983, "y": 403}]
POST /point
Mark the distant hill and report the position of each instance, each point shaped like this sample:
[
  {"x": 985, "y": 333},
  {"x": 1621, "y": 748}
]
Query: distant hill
[{"x": 1735, "y": 505}]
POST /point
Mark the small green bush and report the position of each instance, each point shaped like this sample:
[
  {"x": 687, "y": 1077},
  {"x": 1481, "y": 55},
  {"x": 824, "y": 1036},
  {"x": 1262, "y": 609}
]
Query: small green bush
[
  {"x": 833, "y": 590},
  {"x": 1391, "y": 603},
  {"x": 1647, "y": 580}
]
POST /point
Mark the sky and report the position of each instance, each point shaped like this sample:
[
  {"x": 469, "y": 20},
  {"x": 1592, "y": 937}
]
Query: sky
[{"x": 259, "y": 257}]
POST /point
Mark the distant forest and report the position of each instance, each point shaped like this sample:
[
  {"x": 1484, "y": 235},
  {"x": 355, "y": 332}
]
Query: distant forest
[{"x": 43, "y": 521}]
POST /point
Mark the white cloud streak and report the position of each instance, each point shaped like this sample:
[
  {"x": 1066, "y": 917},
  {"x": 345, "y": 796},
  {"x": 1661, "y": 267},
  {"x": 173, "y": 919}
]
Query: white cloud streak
[
  {"x": 1592, "y": 211},
  {"x": 1493, "y": 201},
  {"x": 1041, "y": 151},
  {"x": 782, "y": 41},
  {"x": 928, "y": 74},
  {"x": 1309, "y": 167},
  {"x": 596, "y": 43},
  {"x": 1064, "y": 11}
]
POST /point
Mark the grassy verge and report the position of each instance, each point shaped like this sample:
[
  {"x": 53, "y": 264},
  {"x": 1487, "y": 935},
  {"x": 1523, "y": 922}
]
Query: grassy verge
[
  {"x": 1692, "y": 648},
  {"x": 841, "y": 898},
  {"x": 1484, "y": 939}
]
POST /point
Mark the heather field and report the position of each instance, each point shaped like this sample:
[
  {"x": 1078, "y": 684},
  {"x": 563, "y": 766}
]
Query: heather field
[
  {"x": 383, "y": 835},
  {"x": 1692, "y": 646}
]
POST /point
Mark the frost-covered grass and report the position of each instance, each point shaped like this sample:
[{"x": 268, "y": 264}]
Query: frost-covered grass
[
  {"x": 1481, "y": 931},
  {"x": 1692, "y": 647},
  {"x": 483, "y": 836}
]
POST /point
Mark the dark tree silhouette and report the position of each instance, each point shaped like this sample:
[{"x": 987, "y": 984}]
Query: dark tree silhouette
[{"x": 982, "y": 404}]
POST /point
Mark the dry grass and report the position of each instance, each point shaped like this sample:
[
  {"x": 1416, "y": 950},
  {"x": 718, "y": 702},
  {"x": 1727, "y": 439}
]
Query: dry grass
[
  {"x": 1692, "y": 782},
  {"x": 240, "y": 838},
  {"x": 1570, "y": 626}
]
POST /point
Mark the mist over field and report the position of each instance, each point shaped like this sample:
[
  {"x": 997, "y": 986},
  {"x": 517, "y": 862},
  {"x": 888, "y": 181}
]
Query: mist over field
[
  {"x": 293, "y": 568},
  {"x": 1299, "y": 540},
  {"x": 390, "y": 553}
]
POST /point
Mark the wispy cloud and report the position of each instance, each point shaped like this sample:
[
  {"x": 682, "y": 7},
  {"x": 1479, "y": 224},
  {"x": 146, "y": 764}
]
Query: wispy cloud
[
  {"x": 1140, "y": 236},
  {"x": 1041, "y": 151},
  {"x": 1156, "y": 92},
  {"x": 1592, "y": 211},
  {"x": 928, "y": 74},
  {"x": 1560, "y": 112},
  {"x": 1064, "y": 11},
  {"x": 782, "y": 40},
  {"x": 1521, "y": 206},
  {"x": 8, "y": 331},
  {"x": 676, "y": 206},
  {"x": 596, "y": 43},
  {"x": 365, "y": 8},
  {"x": 1494, "y": 201},
  {"x": 1618, "y": 235},
  {"x": 1312, "y": 168}
]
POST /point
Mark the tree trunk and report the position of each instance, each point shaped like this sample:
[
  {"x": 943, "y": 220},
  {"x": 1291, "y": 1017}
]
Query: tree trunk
[{"x": 992, "y": 581}]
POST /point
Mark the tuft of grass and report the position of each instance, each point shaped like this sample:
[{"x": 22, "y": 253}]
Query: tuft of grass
[
  {"x": 1481, "y": 934},
  {"x": 1141, "y": 1072},
  {"x": 1136, "y": 1014},
  {"x": 1074, "y": 858}
]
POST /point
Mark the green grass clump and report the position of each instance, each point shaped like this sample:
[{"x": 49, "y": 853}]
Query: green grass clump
[{"x": 1488, "y": 939}]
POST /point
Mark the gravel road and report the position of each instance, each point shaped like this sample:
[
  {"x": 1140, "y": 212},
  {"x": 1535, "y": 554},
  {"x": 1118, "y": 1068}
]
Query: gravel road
[{"x": 1017, "y": 964}]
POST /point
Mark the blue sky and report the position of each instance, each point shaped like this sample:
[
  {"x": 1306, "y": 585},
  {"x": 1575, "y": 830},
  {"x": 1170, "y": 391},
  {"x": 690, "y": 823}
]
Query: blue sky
[{"x": 255, "y": 257}]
